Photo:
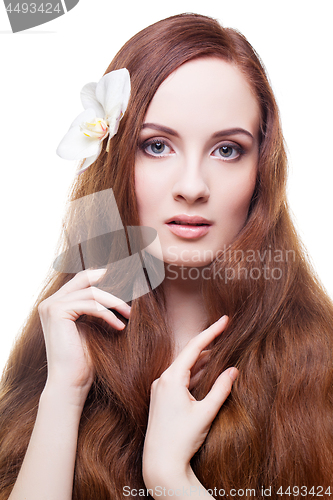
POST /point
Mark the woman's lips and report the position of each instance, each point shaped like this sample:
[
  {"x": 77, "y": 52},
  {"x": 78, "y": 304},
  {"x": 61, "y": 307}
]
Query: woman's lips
[{"x": 188, "y": 230}]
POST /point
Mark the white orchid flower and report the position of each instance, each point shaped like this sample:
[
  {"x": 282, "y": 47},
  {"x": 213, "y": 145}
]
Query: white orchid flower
[{"x": 105, "y": 103}]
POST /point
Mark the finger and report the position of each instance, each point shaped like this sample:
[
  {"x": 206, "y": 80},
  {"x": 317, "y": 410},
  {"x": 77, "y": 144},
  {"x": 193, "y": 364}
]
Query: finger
[
  {"x": 218, "y": 393},
  {"x": 91, "y": 307},
  {"x": 102, "y": 298},
  {"x": 83, "y": 279},
  {"x": 202, "y": 360},
  {"x": 191, "y": 352}
]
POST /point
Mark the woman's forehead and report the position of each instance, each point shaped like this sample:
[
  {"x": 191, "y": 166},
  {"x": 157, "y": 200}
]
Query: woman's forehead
[{"x": 209, "y": 91}]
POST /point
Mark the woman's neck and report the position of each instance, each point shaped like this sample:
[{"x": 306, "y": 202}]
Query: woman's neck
[{"x": 184, "y": 304}]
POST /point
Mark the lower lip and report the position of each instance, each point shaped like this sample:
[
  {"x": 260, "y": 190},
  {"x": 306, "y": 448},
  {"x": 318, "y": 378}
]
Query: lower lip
[{"x": 187, "y": 231}]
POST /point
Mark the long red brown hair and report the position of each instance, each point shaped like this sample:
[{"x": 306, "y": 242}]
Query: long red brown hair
[{"x": 276, "y": 428}]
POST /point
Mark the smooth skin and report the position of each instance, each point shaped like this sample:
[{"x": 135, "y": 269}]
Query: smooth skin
[
  {"x": 178, "y": 424},
  {"x": 194, "y": 176},
  {"x": 198, "y": 155},
  {"x": 48, "y": 467},
  {"x": 68, "y": 359}
]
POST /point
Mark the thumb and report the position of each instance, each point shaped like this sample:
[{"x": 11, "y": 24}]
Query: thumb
[{"x": 219, "y": 392}]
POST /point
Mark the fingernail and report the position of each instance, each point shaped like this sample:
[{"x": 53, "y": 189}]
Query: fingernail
[
  {"x": 233, "y": 374},
  {"x": 222, "y": 317}
]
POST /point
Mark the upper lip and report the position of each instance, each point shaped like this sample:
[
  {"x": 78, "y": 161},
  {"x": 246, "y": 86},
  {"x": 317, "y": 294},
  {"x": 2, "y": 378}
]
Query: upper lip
[{"x": 190, "y": 219}]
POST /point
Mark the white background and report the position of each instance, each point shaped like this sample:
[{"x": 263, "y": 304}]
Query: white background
[{"x": 44, "y": 69}]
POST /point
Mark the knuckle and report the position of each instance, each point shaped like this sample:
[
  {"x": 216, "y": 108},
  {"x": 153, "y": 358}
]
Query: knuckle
[
  {"x": 79, "y": 275},
  {"x": 83, "y": 275},
  {"x": 155, "y": 384},
  {"x": 94, "y": 291},
  {"x": 48, "y": 307},
  {"x": 86, "y": 275},
  {"x": 43, "y": 306},
  {"x": 40, "y": 308},
  {"x": 165, "y": 378}
]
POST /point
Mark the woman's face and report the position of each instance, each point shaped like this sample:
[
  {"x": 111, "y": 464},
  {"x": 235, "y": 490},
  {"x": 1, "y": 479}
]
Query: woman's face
[{"x": 197, "y": 160}]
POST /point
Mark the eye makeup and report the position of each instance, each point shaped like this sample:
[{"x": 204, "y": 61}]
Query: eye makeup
[{"x": 159, "y": 147}]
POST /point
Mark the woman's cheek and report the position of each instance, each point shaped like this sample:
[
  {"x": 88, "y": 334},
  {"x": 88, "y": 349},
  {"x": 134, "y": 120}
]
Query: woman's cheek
[{"x": 238, "y": 199}]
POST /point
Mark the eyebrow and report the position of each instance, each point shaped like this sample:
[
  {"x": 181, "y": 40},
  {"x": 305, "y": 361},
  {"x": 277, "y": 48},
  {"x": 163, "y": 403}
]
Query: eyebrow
[
  {"x": 232, "y": 131},
  {"x": 220, "y": 133},
  {"x": 161, "y": 128}
]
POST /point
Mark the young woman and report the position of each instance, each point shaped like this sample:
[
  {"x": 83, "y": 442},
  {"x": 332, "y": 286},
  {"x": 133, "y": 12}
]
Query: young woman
[{"x": 179, "y": 402}]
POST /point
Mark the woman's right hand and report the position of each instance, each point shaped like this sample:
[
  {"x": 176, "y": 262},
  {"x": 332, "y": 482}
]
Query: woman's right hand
[{"x": 69, "y": 365}]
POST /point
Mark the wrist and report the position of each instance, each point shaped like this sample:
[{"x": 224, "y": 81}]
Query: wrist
[
  {"x": 62, "y": 395},
  {"x": 176, "y": 483},
  {"x": 169, "y": 476}
]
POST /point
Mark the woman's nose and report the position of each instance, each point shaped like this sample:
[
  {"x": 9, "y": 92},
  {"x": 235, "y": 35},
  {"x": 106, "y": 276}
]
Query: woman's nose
[{"x": 191, "y": 184}]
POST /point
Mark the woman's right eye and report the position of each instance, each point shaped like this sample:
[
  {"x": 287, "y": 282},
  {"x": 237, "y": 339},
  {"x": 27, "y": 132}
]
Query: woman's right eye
[{"x": 156, "y": 148}]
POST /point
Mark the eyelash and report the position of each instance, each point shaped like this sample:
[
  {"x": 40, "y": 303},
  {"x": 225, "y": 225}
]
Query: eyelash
[
  {"x": 145, "y": 144},
  {"x": 235, "y": 147},
  {"x": 150, "y": 142}
]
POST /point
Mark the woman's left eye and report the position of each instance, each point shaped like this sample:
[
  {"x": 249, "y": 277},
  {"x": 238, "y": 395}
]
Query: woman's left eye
[{"x": 228, "y": 152}]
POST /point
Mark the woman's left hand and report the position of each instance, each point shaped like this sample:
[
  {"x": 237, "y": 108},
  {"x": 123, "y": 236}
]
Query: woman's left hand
[{"x": 178, "y": 424}]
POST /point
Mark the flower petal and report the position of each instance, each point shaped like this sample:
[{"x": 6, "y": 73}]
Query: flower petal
[
  {"x": 114, "y": 120},
  {"x": 86, "y": 116},
  {"x": 89, "y": 100},
  {"x": 75, "y": 145},
  {"x": 113, "y": 91},
  {"x": 88, "y": 161}
]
